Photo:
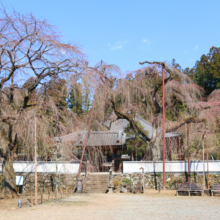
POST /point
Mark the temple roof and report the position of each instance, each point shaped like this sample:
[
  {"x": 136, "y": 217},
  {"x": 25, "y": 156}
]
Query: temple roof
[
  {"x": 113, "y": 137},
  {"x": 96, "y": 138},
  {"x": 121, "y": 124}
]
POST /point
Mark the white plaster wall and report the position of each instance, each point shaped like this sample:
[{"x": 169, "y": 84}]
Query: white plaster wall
[
  {"x": 45, "y": 167},
  {"x": 170, "y": 167}
]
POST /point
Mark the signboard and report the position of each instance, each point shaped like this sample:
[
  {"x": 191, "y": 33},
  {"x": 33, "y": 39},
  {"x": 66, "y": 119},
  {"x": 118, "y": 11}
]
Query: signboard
[{"x": 19, "y": 180}]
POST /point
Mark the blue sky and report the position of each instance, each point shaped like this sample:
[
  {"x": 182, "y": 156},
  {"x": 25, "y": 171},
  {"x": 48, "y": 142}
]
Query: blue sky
[{"x": 125, "y": 32}]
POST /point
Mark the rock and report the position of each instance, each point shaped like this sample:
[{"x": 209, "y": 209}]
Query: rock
[
  {"x": 135, "y": 182},
  {"x": 123, "y": 190}
]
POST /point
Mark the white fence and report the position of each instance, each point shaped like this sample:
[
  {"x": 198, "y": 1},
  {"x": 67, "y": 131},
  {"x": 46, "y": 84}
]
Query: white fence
[
  {"x": 45, "y": 167},
  {"x": 170, "y": 166}
]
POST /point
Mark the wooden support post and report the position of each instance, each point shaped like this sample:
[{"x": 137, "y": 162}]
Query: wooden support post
[
  {"x": 176, "y": 193},
  {"x": 41, "y": 196},
  {"x": 113, "y": 161},
  {"x": 188, "y": 152},
  {"x": 179, "y": 147},
  {"x": 61, "y": 190},
  {"x": 3, "y": 192},
  {"x": 55, "y": 193},
  {"x": 142, "y": 177},
  {"x": 189, "y": 193},
  {"x": 66, "y": 191},
  {"x": 49, "y": 194},
  {"x": 31, "y": 198},
  {"x": 207, "y": 160}
]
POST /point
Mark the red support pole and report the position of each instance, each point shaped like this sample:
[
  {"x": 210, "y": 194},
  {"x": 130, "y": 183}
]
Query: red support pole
[
  {"x": 35, "y": 157},
  {"x": 188, "y": 152},
  {"x": 87, "y": 135},
  {"x": 164, "y": 141}
]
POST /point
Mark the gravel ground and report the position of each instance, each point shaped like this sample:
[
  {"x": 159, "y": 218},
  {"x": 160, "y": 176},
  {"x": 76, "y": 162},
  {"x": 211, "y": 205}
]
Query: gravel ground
[{"x": 120, "y": 206}]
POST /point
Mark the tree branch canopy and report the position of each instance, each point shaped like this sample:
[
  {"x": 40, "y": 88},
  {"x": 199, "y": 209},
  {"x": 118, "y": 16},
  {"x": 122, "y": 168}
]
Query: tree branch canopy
[
  {"x": 193, "y": 120},
  {"x": 130, "y": 119},
  {"x": 30, "y": 46}
]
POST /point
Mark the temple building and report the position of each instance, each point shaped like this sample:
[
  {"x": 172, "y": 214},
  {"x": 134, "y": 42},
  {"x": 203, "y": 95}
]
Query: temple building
[{"x": 112, "y": 143}]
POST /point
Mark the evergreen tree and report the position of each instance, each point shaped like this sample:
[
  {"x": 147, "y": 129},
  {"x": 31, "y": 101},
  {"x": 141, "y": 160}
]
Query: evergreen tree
[
  {"x": 206, "y": 72},
  {"x": 75, "y": 101},
  {"x": 56, "y": 89},
  {"x": 86, "y": 101}
]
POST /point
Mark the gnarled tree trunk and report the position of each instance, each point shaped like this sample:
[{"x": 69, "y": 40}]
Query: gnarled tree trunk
[
  {"x": 7, "y": 149},
  {"x": 9, "y": 177}
]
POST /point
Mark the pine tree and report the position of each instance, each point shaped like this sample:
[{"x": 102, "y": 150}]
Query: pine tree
[
  {"x": 206, "y": 72},
  {"x": 75, "y": 100}
]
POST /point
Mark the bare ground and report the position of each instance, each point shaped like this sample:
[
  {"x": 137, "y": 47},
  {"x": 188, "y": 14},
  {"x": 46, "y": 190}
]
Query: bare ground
[{"x": 151, "y": 205}]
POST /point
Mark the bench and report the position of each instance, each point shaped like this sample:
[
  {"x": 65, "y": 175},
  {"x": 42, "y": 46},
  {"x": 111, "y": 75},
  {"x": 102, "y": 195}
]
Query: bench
[
  {"x": 215, "y": 188},
  {"x": 190, "y": 187}
]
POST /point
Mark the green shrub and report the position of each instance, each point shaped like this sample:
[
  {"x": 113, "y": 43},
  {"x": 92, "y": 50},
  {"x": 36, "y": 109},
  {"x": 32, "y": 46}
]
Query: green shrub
[
  {"x": 159, "y": 175},
  {"x": 127, "y": 181},
  {"x": 115, "y": 183}
]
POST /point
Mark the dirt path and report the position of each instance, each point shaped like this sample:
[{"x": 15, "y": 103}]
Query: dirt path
[{"x": 120, "y": 206}]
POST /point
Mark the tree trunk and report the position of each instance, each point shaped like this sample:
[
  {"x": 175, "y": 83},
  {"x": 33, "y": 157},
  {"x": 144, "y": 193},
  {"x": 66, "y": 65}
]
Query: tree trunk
[
  {"x": 156, "y": 149},
  {"x": 156, "y": 140},
  {"x": 7, "y": 149},
  {"x": 9, "y": 177},
  {"x": 132, "y": 155}
]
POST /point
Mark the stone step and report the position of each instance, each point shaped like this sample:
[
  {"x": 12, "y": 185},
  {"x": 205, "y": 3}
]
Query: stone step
[
  {"x": 97, "y": 188},
  {"x": 98, "y": 175},
  {"x": 97, "y": 178},
  {"x": 101, "y": 190},
  {"x": 97, "y": 183}
]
